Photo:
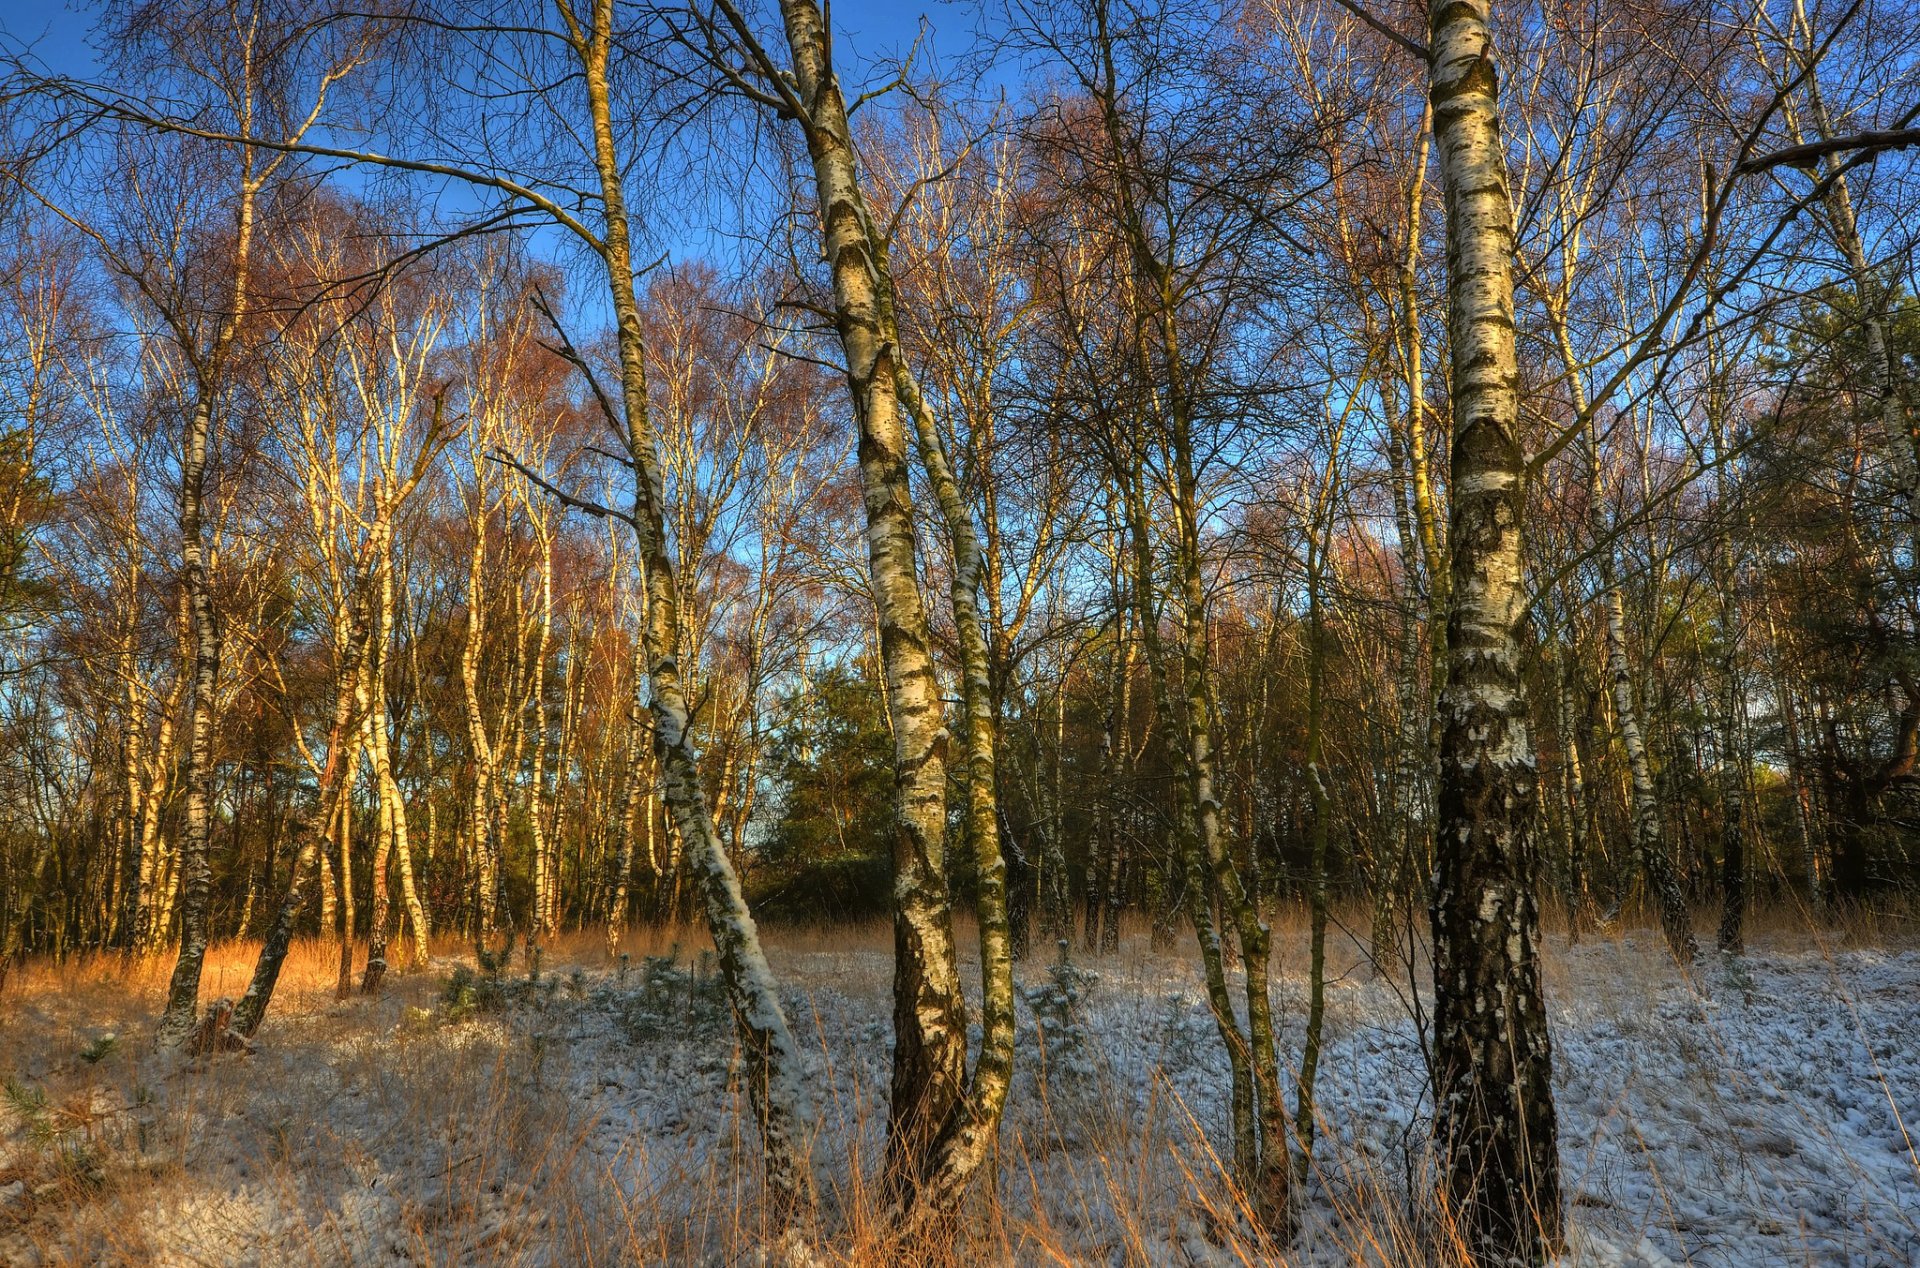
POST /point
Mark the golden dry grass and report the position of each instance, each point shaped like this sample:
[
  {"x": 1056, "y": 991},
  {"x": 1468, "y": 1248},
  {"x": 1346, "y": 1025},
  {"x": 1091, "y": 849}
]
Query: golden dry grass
[{"x": 378, "y": 1131}]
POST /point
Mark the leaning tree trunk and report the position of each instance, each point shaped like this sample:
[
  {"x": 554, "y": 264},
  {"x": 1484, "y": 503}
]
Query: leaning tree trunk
[
  {"x": 1493, "y": 1064},
  {"x": 781, "y": 1105},
  {"x": 310, "y": 836},
  {"x": 1649, "y": 842},
  {"x": 930, "y": 1032}
]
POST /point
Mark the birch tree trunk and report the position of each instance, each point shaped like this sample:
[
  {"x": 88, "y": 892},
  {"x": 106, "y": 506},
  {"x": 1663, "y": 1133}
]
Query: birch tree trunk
[
  {"x": 634, "y": 806},
  {"x": 1649, "y": 844},
  {"x": 1574, "y": 788},
  {"x": 311, "y": 835},
  {"x": 1319, "y": 809},
  {"x": 782, "y": 1108},
  {"x": 930, "y": 1032},
  {"x": 395, "y": 843},
  {"x": 540, "y": 920},
  {"x": 1734, "y": 759},
  {"x": 177, "y": 1021},
  {"x": 963, "y": 1145},
  {"x": 1492, "y": 1053},
  {"x": 485, "y": 850}
]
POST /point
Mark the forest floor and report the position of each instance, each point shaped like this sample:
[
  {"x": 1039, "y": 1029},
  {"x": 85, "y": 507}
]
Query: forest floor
[{"x": 1763, "y": 1113}]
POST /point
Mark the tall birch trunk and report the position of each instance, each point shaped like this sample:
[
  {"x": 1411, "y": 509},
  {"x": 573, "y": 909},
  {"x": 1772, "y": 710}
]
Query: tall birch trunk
[
  {"x": 635, "y": 803},
  {"x": 177, "y": 1021},
  {"x": 1649, "y": 844},
  {"x": 930, "y": 1033},
  {"x": 1318, "y": 808},
  {"x": 1493, "y": 1063},
  {"x": 1734, "y": 759},
  {"x": 1574, "y": 792},
  {"x": 960, "y": 1149},
  {"x": 541, "y": 921},
  {"x": 485, "y": 850},
  {"x": 1261, "y": 1132},
  {"x": 782, "y": 1108},
  {"x": 395, "y": 847}
]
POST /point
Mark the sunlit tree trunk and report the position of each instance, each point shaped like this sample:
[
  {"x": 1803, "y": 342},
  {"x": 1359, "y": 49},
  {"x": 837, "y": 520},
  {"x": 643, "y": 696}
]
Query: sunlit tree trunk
[
  {"x": 1492, "y": 1054},
  {"x": 311, "y": 834},
  {"x": 930, "y": 1034},
  {"x": 183, "y": 990},
  {"x": 966, "y": 1141},
  {"x": 638, "y": 777},
  {"x": 541, "y": 918},
  {"x": 781, "y": 1103}
]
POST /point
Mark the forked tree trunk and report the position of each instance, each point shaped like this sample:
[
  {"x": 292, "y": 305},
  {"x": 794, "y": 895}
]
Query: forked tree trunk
[
  {"x": 1493, "y": 1065},
  {"x": 930, "y": 1032},
  {"x": 395, "y": 848},
  {"x": 960, "y": 1150}
]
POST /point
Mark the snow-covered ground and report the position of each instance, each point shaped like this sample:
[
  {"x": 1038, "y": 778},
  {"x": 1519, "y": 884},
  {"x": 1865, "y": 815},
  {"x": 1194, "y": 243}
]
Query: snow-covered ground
[{"x": 1748, "y": 1115}]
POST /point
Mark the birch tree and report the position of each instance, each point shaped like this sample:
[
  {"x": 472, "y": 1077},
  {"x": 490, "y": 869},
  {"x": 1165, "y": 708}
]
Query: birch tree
[{"x": 1492, "y": 1053}]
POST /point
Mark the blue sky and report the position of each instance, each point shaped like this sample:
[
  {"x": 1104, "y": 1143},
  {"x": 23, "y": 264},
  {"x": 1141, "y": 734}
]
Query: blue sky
[
  {"x": 55, "y": 29},
  {"x": 871, "y": 37},
  {"x": 869, "y": 29}
]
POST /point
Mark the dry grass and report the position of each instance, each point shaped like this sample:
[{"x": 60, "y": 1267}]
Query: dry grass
[{"x": 385, "y": 1131}]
